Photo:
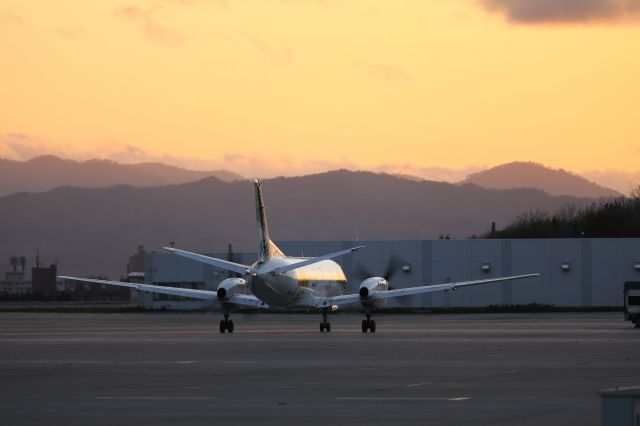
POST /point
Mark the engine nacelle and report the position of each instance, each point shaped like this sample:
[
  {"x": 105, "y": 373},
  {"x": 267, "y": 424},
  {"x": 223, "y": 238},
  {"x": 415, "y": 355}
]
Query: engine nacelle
[
  {"x": 231, "y": 286},
  {"x": 372, "y": 285}
]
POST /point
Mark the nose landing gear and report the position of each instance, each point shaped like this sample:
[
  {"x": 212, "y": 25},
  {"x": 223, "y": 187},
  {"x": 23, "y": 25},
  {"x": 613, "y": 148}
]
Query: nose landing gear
[
  {"x": 368, "y": 324},
  {"x": 325, "y": 325},
  {"x": 226, "y": 324}
]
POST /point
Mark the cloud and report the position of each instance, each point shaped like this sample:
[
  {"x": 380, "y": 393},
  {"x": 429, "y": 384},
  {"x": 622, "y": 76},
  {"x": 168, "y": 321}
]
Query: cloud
[
  {"x": 262, "y": 166},
  {"x": 153, "y": 23},
  {"x": 565, "y": 11},
  {"x": 383, "y": 71},
  {"x": 9, "y": 18},
  {"x": 156, "y": 18},
  {"x": 440, "y": 174},
  {"x": 11, "y": 146},
  {"x": 281, "y": 54},
  {"x": 621, "y": 181},
  {"x": 21, "y": 147}
]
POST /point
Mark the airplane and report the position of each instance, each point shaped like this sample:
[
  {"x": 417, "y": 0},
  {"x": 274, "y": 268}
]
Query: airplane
[{"x": 292, "y": 283}]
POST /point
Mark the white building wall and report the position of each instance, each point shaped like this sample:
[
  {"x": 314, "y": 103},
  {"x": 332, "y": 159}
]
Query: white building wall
[{"x": 598, "y": 269}]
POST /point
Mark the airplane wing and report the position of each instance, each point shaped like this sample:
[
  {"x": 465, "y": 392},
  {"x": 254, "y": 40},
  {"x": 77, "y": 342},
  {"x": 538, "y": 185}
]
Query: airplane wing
[
  {"x": 283, "y": 269},
  {"x": 240, "y": 299},
  {"x": 224, "y": 264},
  {"x": 388, "y": 294}
]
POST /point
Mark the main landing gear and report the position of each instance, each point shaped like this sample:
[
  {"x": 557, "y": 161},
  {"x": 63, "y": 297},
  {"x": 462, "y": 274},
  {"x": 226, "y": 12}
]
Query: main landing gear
[
  {"x": 325, "y": 325},
  {"x": 226, "y": 324},
  {"x": 368, "y": 324}
]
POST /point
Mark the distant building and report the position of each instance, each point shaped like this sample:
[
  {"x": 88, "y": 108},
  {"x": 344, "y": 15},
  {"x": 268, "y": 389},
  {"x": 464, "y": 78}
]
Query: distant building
[
  {"x": 43, "y": 280},
  {"x": 14, "y": 284},
  {"x": 136, "y": 262},
  {"x": 14, "y": 276}
]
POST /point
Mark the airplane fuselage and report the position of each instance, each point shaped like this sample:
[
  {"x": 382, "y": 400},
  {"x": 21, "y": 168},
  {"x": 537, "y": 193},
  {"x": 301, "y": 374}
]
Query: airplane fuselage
[{"x": 298, "y": 287}]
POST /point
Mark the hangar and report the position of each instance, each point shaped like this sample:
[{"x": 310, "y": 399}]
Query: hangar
[{"x": 581, "y": 272}]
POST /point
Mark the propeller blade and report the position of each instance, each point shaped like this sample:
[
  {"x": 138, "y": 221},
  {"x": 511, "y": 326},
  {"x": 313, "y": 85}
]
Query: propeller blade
[
  {"x": 394, "y": 265},
  {"x": 361, "y": 272}
]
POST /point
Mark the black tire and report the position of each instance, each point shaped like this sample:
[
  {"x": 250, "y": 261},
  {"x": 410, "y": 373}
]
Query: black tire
[
  {"x": 222, "y": 326},
  {"x": 230, "y": 326},
  {"x": 321, "y": 327},
  {"x": 372, "y": 326},
  {"x": 328, "y": 326},
  {"x": 365, "y": 326}
]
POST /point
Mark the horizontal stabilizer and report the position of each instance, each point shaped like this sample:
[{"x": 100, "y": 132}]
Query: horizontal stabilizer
[
  {"x": 223, "y": 264},
  {"x": 307, "y": 262}
]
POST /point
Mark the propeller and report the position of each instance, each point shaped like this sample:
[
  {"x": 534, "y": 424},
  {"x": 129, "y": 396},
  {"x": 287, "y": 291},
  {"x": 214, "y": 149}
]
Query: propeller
[{"x": 393, "y": 266}]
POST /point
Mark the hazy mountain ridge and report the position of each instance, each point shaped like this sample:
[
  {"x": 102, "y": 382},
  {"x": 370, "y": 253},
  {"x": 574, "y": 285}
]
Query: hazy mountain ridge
[
  {"x": 92, "y": 231},
  {"x": 534, "y": 175},
  {"x": 47, "y": 172}
]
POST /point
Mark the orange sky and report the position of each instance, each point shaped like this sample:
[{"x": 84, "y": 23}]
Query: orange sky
[{"x": 293, "y": 86}]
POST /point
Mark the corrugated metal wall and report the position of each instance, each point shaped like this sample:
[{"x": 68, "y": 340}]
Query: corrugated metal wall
[{"x": 597, "y": 269}]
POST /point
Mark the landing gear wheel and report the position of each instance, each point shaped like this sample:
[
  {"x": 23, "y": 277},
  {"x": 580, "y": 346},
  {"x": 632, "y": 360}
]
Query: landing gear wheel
[
  {"x": 226, "y": 324},
  {"x": 368, "y": 324},
  {"x": 325, "y": 324}
]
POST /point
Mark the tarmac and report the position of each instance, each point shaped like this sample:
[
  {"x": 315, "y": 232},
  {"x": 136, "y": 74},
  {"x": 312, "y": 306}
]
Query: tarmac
[{"x": 176, "y": 368}]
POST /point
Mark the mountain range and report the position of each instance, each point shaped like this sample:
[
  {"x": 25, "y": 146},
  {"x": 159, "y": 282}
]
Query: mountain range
[
  {"x": 47, "y": 172},
  {"x": 93, "y": 230},
  {"x": 534, "y": 175}
]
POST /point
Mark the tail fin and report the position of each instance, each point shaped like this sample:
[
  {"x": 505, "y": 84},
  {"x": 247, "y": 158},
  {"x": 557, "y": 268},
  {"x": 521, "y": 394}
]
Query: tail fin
[{"x": 266, "y": 248}]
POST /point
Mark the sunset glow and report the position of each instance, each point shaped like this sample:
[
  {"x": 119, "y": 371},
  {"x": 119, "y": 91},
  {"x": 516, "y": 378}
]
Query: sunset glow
[{"x": 286, "y": 87}]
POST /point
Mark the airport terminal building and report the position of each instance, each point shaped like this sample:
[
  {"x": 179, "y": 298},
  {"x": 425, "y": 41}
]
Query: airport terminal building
[{"x": 584, "y": 272}]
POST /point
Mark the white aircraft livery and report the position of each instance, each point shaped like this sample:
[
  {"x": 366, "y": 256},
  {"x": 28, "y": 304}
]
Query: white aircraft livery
[{"x": 276, "y": 280}]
